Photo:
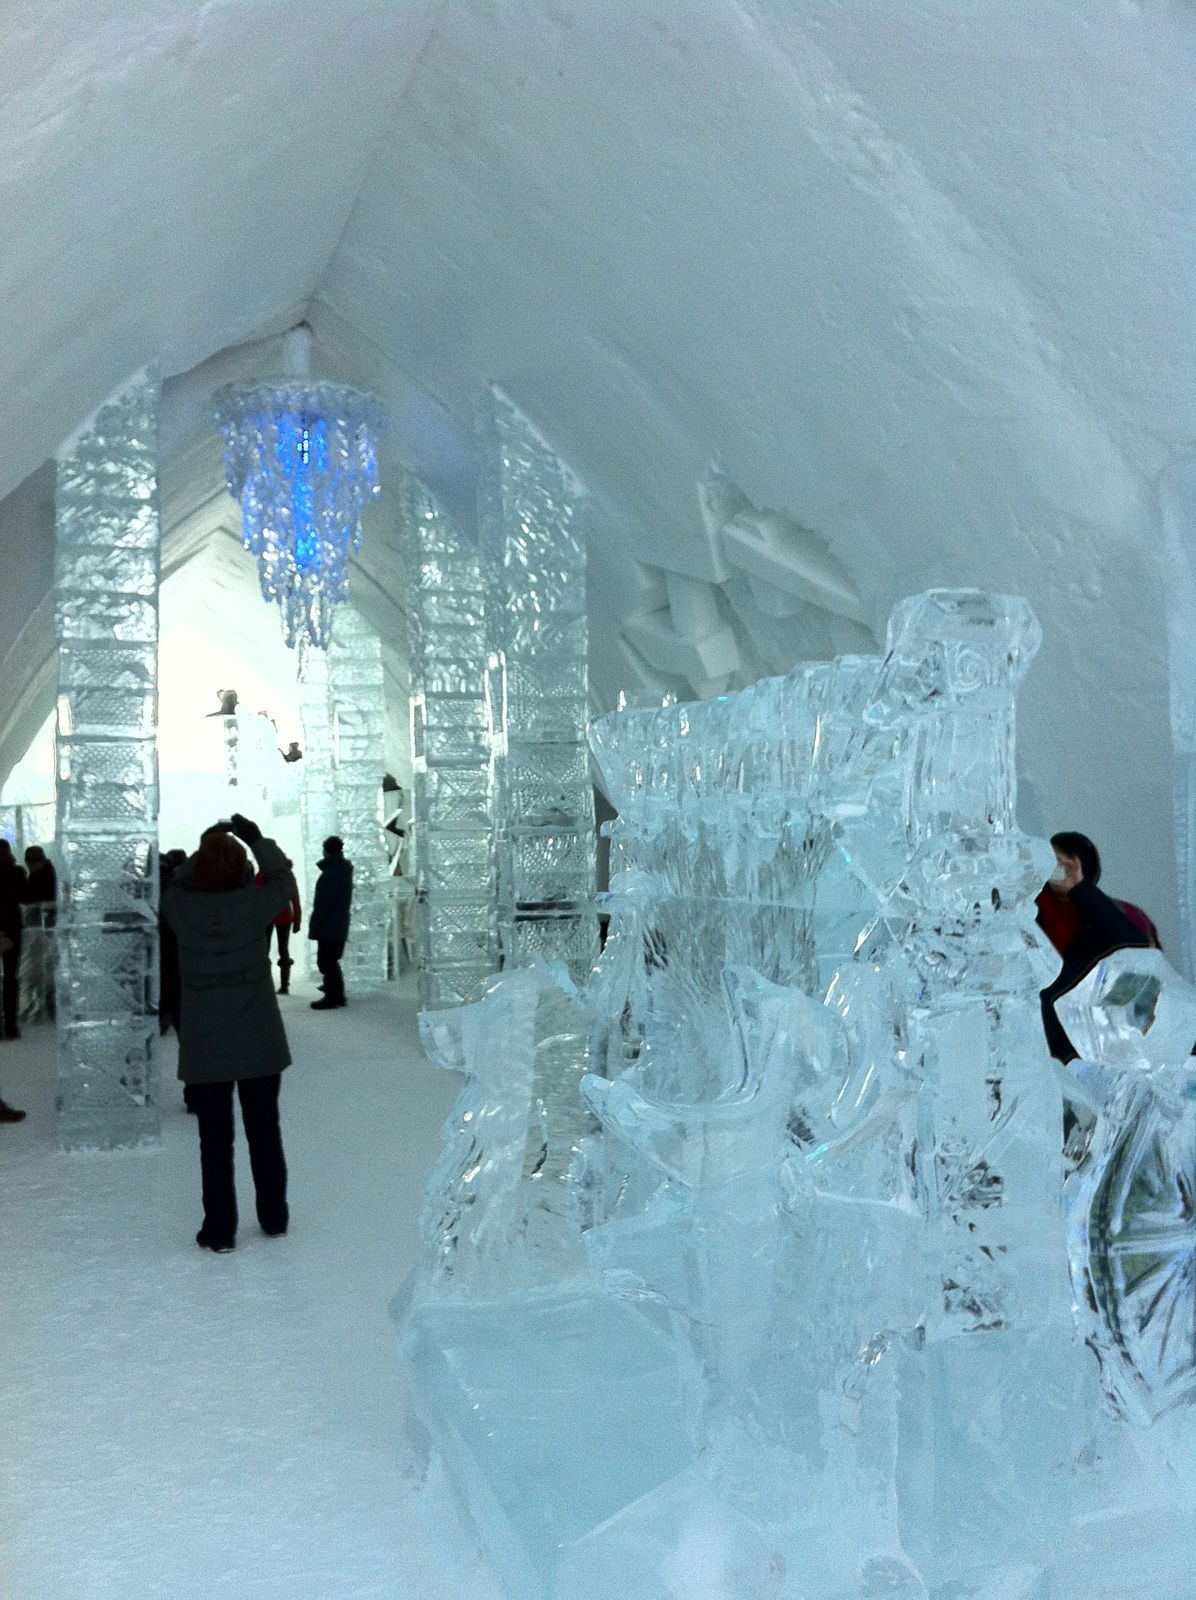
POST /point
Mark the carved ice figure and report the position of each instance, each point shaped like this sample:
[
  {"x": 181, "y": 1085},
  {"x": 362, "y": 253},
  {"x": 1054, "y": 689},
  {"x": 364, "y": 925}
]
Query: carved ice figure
[
  {"x": 495, "y": 1212},
  {"x": 1131, "y": 1204},
  {"x": 529, "y": 1379}
]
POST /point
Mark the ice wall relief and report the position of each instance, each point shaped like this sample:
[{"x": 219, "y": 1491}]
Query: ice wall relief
[{"x": 747, "y": 1263}]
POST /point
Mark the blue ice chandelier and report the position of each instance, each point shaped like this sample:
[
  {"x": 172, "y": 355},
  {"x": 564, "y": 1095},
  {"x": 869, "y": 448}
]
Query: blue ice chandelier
[{"x": 301, "y": 458}]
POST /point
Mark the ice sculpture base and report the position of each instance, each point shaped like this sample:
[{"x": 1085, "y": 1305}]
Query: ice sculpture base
[
  {"x": 542, "y": 1471},
  {"x": 82, "y": 1135}
]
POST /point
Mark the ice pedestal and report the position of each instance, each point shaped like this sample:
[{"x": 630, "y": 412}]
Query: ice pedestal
[
  {"x": 822, "y": 1163},
  {"x": 544, "y": 1469}
]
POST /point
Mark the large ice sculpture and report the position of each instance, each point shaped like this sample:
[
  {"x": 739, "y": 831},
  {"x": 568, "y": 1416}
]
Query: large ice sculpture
[
  {"x": 533, "y": 552},
  {"x": 106, "y": 611},
  {"x": 1132, "y": 1200},
  {"x": 452, "y": 822},
  {"x": 795, "y": 1320}
]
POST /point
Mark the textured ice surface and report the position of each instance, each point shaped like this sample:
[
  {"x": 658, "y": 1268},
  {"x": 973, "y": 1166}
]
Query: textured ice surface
[
  {"x": 106, "y": 612},
  {"x": 534, "y": 560},
  {"x": 342, "y": 708},
  {"x": 357, "y": 712},
  {"x": 452, "y": 824},
  {"x": 1132, "y": 1199},
  {"x": 822, "y": 1164}
]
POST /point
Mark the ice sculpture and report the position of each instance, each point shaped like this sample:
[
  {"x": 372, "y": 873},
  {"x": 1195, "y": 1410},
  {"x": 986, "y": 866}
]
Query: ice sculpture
[
  {"x": 317, "y": 796},
  {"x": 301, "y": 460},
  {"x": 452, "y": 823},
  {"x": 358, "y": 708},
  {"x": 796, "y": 1319},
  {"x": 531, "y": 1378},
  {"x": 342, "y": 707},
  {"x": 1132, "y": 1200},
  {"x": 106, "y": 612},
  {"x": 533, "y": 552}
]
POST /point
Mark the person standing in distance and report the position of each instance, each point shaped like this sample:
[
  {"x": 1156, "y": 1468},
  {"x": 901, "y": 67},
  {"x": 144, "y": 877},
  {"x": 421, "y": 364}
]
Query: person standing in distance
[
  {"x": 328, "y": 924},
  {"x": 230, "y": 1027},
  {"x": 12, "y": 894},
  {"x": 1084, "y": 925}
]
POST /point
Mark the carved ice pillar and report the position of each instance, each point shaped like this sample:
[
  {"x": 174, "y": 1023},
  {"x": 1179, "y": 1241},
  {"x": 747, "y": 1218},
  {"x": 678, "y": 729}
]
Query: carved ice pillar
[
  {"x": 341, "y": 706},
  {"x": 533, "y": 552},
  {"x": 356, "y": 700},
  {"x": 106, "y": 614},
  {"x": 452, "y": 825},
  {"x": 992, "y": 1393}
]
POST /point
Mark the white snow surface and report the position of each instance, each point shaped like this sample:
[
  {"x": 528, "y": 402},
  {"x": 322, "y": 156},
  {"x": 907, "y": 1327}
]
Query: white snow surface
[{"x": 180, "y": 1425}]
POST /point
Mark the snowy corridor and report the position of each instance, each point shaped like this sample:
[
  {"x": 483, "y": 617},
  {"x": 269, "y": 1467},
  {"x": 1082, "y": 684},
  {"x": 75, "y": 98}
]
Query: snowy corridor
[{"x": 183, "y": 1426}]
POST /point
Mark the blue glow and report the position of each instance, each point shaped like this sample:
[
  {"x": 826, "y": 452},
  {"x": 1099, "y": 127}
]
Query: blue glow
[
  {"x": 302, "y": 454},
  {"x": 301, "y": 459}
]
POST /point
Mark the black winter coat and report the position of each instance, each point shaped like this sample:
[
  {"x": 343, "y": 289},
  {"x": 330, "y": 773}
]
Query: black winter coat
[
  {"x": 229, "y": 1024},
  {"x": 12, "y": 893},
  {"x": 334, "y": 895}
]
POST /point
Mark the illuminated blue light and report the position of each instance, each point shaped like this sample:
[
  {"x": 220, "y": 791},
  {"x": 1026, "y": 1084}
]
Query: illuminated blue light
[{"x": 302, "y": 459}]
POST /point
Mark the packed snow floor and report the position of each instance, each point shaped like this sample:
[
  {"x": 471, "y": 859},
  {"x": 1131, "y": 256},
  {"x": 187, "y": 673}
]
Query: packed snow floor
[{"x": 184, "y": 1426}]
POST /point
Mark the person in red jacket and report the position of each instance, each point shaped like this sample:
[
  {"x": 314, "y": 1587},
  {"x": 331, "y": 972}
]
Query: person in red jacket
[
  {"x": 1084, "y": 924},
  {"x": 291, "y": 918}
]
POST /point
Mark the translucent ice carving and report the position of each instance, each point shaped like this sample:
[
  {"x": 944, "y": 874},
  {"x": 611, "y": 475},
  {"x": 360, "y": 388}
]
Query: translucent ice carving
[
  {"x": 822, "y": 1176},
  {"x": 106, "y": 610},
  {"x": 534, "y": 559},
  {"x": 1132, "y": 1201},
  {"x": 453, "y": 823},
  {"x": 341, "y": 701}
]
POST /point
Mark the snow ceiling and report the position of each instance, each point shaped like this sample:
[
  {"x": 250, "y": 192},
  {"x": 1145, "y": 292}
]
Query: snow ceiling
[{"x": 916, "y": 275}]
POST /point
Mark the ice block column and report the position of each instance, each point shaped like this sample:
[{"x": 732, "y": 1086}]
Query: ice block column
[
  {"x": 106, "y": 614},
  {"x": 317, "y": 797},
  {"x": 357, "y": 712},
  {"x": 453, "y": 829},
  {"x": 533, "y": 552}
]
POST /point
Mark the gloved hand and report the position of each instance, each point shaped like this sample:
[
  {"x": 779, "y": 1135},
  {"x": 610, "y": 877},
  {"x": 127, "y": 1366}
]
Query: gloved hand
[{"x": 248, "y": 832}]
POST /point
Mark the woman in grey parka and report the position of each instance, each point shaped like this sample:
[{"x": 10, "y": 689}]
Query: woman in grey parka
[{"x": 230, "y": 1028}]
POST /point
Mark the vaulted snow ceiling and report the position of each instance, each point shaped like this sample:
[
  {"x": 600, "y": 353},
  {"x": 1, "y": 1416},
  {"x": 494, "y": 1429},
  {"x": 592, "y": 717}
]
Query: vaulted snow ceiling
[{"x": 917, "y": 277}]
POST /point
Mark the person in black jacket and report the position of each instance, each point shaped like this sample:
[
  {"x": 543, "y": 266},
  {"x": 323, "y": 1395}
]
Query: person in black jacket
[
  {"x": 329, "y": 921},
  {"x": 231, "y": 1036},
  {"x": 1093, "y": 926},
  {"x": 12, "y": 894}
]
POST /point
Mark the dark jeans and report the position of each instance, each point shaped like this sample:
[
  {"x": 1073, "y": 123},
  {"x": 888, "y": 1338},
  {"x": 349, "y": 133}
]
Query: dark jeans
[
  {"x": 328, "y": 959},
  {"x": 213, "y": 1104},
  {"x": 12, "y": 965}
]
